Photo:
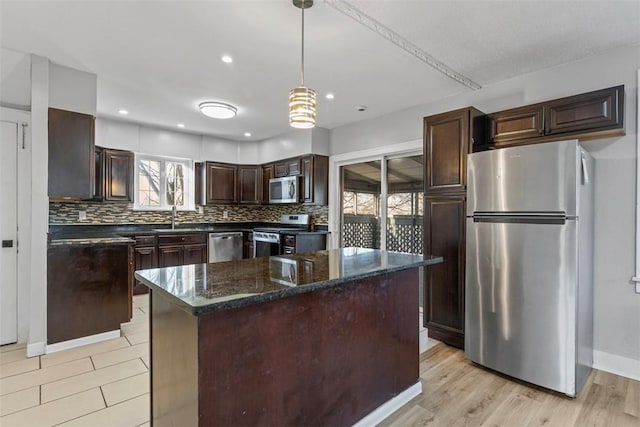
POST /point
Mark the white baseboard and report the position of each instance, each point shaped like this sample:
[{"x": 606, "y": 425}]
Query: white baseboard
[
  {"x": 91, "y": 339},
  {"x": 390, "y": 406},
  {"x": 619, "y": 365},
  {"x": 35, "y": 349}
]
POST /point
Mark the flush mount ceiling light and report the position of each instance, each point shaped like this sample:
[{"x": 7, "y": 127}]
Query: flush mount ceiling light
[
  {"x": 302, "y": 100},
  {"x": 218, "y": 110}
]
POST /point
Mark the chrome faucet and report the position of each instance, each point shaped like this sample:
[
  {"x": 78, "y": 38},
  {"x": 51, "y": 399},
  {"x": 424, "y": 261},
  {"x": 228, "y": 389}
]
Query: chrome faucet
[{"x": 174, "y": 211}]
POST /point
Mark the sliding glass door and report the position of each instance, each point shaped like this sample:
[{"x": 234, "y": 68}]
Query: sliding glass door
[{"x": 382, "y": 204}]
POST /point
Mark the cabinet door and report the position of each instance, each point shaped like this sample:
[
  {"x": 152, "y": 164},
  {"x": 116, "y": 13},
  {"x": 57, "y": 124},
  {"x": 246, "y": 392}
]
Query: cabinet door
[
  {"x": 267, "y": 174},
  {"x": 249, "y": 184},
  {"x": 599, "y": 110},
  {"x": 446, "y": 144},
  {"x": 144, "y": 258},
  {"x": 293, "y": 167},
  {"x": 170, "y": 256},
  {"x": 200, "y": 183},
  {"x": 280, "y": 169},
  {"x": 98, "y": 175},
  {"x": 195, "y": 254},
  {"x": 221, "y": 183},
  {"x": 516, "y": 124},
  {"x": 315, "y": 173},
  {"x": 307, "y": 179},
  {"x": 71, "y": 154},
  {"x": 118, "y": 175},
  {"x": 444, "y": 235}
]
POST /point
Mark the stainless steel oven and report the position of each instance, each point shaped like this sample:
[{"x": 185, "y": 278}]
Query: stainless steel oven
[
  {"x": 267, "y": 240},
  {"x": 266, "y": 243}
]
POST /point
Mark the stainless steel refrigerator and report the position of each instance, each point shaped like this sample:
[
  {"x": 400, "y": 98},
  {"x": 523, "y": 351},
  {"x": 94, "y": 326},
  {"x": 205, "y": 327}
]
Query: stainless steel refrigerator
[{"x": 529, "y": 263}]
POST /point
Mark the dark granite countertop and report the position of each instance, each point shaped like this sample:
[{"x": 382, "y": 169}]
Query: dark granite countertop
[
  {"x": 86, "y": 234},
  {"x": 204, "y": 288},
  {"x": 105, "y": 240}
]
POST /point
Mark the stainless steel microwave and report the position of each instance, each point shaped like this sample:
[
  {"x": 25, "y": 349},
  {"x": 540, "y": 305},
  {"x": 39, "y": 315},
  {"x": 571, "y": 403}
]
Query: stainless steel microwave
[{"x": 284, "y": 190}]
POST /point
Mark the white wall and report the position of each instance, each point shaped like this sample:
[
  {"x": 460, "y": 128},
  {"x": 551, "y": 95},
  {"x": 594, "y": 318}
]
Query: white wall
[
  {"x": 149, "y": 140},
  {"x": 39, "y": 205},
  {"x": 72, "y": 90},
  {"x": 15, "y": 79},
  {"x": 617, "y": 307}
]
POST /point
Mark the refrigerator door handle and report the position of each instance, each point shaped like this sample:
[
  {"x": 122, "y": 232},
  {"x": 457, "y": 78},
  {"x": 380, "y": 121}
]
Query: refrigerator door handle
[
  {"x": 521, "y": 219},
  {"x": 585, "y": 172}
]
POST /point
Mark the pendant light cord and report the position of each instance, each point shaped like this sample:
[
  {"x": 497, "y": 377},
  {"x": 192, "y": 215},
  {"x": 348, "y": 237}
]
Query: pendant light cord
[{"x": 302, "y": 66}]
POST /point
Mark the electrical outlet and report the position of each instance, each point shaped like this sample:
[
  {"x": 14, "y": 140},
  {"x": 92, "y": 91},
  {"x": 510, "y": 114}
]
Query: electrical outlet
[
  {"x": 225, "y": 214},
  {"x": 82, "y": 215},
  {"x": 200, "y": 210}
]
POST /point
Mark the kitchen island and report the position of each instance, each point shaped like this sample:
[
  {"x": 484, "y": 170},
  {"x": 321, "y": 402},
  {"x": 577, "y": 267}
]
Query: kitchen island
[{"x": 322, "y": 338}]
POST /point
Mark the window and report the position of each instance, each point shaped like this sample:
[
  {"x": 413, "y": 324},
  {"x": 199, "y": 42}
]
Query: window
[{"x": 162, "y": 182}]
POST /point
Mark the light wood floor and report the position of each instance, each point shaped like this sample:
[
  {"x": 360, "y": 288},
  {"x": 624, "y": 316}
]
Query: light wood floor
[
  {"x": 456, "y": 392},
  {"x": 107, "y": 384}
]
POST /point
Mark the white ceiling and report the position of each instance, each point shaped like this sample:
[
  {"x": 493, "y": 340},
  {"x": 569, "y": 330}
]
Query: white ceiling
[{"x": 159, "y": 59}]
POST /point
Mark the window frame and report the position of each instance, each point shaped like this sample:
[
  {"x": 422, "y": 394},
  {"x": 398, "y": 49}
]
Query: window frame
[{"x": 189, "y": 186}]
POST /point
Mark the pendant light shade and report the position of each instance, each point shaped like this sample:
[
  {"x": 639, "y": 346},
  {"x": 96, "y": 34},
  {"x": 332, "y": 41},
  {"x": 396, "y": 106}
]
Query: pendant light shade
[
  {"x": 302, "y": 100},
  {"x": 302, "y": 107}
]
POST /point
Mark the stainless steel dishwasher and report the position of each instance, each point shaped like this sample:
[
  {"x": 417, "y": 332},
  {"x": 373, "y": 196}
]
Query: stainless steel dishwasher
[{"x": 225, "y": 246}]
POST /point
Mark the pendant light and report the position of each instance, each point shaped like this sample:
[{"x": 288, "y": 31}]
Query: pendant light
[{"x": 302, "y": 100}]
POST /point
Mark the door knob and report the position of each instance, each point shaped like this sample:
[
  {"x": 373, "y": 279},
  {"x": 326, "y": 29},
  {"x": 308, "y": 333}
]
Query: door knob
[{"x": 7, "y": 243}]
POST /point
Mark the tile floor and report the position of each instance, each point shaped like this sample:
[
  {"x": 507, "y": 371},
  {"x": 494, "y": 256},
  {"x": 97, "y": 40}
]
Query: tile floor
[{"x": 102, "y": 384}]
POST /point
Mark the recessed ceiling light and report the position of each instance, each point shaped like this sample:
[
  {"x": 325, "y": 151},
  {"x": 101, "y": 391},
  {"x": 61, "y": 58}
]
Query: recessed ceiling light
[
  {"x": 247, "y": 134},
  {"x": 218, "y": 110},
  {"x": 123, "y": 112},
  {"x": 329, "y": 96},
  {"x": 227, "y": 59},
  {"x": 180, "y": 125}
]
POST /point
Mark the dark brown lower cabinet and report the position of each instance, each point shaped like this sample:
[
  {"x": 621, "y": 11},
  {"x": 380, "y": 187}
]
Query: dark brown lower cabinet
[
  {"x": 444, "y": 234},
  {"x": 182, "y": 249},
  {"x": 89, "y": 289},
  {"x": 194, "y": 254},
  {"x": 145, "y": 256}
]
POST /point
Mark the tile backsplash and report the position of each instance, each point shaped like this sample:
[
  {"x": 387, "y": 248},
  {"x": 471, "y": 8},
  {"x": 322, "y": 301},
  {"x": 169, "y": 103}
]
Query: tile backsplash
[{"x": 122, "y": 213}]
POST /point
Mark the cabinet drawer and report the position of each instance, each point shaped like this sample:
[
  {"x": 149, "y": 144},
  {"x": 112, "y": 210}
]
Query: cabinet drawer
[
  {"x": 178, "y": 239},
  {"x": 516, "y": 124},
  {"x": 145, "y": 241},
  {"x": 289, "y": 240}
]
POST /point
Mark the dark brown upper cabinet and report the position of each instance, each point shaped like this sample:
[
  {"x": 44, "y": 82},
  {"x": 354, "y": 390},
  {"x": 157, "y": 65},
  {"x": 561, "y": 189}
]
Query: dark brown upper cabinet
[
  {"x": 221, "y": 183},
  {"x": 98, "y": 174},
  {"x": 448, "y": 138},
  {"x": 589, "y": 115},
  {"x": 249, "y": 184},
  {"x": 71, "y": 154},
  {"x": 288, "y": 167},
  {"x": 517, "y": 124},
  {"x": 118, "y": 175},
  {"x": 315, "y": 177},
  {"x": 267, "y": 174},
  {"x": 600, "y": 110}
]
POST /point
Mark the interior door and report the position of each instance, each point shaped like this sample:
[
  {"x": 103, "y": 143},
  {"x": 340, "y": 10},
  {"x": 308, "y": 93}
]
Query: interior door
[{"x": 8, "y": 233}]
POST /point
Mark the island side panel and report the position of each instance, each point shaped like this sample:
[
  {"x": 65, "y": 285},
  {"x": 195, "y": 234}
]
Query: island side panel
[
  {"x": 327, "y": 357},
  {"x": 174, "y": 364},
  {"x": 87, "y": 290}
]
